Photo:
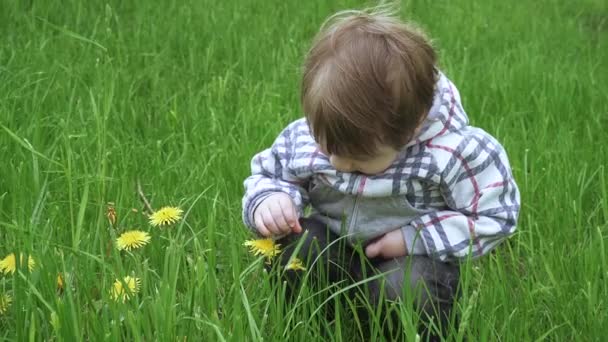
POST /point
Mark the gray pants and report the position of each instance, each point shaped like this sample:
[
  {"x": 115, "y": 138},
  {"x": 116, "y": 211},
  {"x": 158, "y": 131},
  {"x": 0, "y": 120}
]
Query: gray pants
[{"x": 433, "y": 285}]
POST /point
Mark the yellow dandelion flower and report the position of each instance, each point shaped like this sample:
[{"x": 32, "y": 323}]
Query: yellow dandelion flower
[
  {"x": 119, "y": 292},
  {"x": 60, "y": 284},
  {"x": 265, "y": 247},
  {"x": 9, "y": 263},
  {"x": 5, "y": 303},
  {"x": 132, "y": 239},
  {"x": 296, "y": 265},
  {"x": 166, "y": 216}
]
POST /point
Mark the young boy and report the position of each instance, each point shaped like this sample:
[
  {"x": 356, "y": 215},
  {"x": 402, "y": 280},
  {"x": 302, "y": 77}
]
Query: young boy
[{"x": 386, "y": 159}]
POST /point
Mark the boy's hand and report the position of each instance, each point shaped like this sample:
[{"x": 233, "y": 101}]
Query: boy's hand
[
  {"x": 276, "y": 215},
  {"x": 391, "y": 245}
]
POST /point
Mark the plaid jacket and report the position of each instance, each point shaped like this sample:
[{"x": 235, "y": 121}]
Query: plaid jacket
[{"x": 458, "y": 175}]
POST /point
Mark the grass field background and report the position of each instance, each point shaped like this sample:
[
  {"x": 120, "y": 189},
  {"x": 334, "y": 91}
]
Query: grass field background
[{"x": 181, "y": 94}]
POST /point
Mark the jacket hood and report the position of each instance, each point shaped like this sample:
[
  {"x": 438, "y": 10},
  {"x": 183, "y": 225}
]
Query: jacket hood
[{"x": 446, "y": 114}]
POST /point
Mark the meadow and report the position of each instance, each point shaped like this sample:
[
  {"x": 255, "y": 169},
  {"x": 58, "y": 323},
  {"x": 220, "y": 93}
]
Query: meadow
[{"x": 179, "y": 95}]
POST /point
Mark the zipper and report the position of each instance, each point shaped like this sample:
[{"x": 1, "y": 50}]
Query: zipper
[{"x": 355, "y": 212}]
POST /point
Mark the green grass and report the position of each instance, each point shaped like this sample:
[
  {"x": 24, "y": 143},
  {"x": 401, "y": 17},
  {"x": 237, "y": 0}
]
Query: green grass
[{"x": 182, "y": 94}]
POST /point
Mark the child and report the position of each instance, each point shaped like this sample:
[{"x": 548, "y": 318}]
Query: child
[{"x": 386, "y": 159}]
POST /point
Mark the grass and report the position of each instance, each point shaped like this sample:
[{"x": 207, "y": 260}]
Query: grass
[{"x": 181, "y": 95}]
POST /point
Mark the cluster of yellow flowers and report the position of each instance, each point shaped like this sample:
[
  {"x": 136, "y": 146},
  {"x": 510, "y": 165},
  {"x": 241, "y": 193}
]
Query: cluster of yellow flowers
[
  {"x": 122, "y": 289},
  {"x": 9, "y": 265},
  {"x": 269, "y": 248},
  {"x": 134, "y": 239},
  {"x": 5, "y": 302}
]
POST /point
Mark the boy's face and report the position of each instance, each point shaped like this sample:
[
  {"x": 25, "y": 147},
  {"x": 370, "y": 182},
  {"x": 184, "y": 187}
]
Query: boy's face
[{"x": 379, "y": 162}]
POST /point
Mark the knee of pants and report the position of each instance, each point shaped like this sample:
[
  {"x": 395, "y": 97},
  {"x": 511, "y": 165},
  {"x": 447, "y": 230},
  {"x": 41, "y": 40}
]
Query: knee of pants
[
  {"x": 431, "y": 282},
  {"x": 435, "y": 284},
  {"x": 389, "y": 286}
]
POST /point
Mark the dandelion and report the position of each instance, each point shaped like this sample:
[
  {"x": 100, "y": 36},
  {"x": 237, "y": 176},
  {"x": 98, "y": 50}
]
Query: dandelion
[
  {"x": 265, "y": 247},
  {"x": 111, "y": 214},
  {"x": 132, "y": 239},
  {"x": 165, "y": 216},
  {"x": 5, "y": 303},
  {"x": 119, "y": 292},
  {"x": 9, "y": 264},
  {"x": 60, "y": 284},
  {"x": 296, "y": 265},
  {"x": 63, "y": 280}
]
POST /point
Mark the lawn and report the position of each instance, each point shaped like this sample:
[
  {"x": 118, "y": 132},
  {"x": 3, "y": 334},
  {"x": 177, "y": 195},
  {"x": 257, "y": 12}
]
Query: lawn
[{"x": 179, "y": 95}]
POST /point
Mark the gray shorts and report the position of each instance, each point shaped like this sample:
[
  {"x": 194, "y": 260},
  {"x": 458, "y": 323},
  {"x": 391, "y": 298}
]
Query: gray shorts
[{"x": 431, "y": 284}]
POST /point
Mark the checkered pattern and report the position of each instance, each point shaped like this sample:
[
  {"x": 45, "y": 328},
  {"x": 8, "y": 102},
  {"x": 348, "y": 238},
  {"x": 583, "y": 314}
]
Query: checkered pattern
[{"x": 459, "y": 172}]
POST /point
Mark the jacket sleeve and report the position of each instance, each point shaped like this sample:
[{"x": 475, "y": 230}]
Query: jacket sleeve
[
  {"x": 271, "y": 173},
  {"x": 482, "y": 203}
]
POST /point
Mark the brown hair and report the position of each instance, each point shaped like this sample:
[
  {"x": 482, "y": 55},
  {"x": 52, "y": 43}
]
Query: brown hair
[{"x": 368, "y": 79}]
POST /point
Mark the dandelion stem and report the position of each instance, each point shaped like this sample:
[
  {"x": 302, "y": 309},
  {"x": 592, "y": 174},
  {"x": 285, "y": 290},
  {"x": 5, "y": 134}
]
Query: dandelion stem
[{"x": 143, "y": 198}]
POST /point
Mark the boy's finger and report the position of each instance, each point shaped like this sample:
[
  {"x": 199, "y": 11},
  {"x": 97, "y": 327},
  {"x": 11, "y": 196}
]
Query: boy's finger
[
  {"x": 269, "y": 221},
  {"x": 259, "y": 224},
  {"x": 372, "y": 250},
  {"x": 279, "y": 218},
  {"x": 297, "y": 228},
  {"x": 291, "y": 217}
]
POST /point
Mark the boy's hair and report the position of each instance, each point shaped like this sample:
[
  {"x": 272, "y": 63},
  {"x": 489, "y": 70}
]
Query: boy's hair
[{"x": 368, "y": 79}]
